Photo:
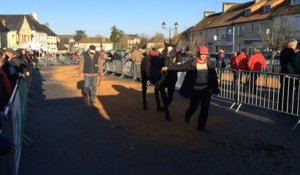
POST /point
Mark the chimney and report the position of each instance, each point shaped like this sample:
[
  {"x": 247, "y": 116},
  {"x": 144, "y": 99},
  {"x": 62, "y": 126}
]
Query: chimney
[
  {"x": 3, "y": 22},
  {"x": 47, "y": 24},
  {"x": 227, "y": 6},
  {"x": 207, "y": 13},
  {"x": 34, "y": 15}
]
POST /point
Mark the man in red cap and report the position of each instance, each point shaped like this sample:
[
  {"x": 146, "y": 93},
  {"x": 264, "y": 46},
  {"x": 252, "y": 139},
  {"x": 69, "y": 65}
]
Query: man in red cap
[{"x": 199, "y": 84}]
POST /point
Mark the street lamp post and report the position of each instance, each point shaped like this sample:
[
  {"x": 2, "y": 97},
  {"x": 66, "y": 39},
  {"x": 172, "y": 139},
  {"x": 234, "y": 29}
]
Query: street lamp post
[{"x": 175, "y": 27}]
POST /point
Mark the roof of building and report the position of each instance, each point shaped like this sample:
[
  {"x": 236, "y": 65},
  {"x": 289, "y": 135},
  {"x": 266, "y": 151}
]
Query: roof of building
[
  {"x": 14, "y": 22},
  {"x": 237, "y": 13},
  {"x": 132, "y": 36},
  {"x": 286, "y": 8},
  {"x": 94, "y": 40},
  {"x": 48, "y": 30},
  {"x": 228, "y": 18},
  {"x": 61, "y": 46},
  {"x": 185, "y": 34},
  {"x": 205, "y": 22},
  {"x": 64, "y": 40},
  {"x": 257, "y": 11}
]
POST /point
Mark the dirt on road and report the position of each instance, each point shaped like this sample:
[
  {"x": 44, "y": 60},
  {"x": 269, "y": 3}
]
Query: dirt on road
[{"x": 252, "y": 141}]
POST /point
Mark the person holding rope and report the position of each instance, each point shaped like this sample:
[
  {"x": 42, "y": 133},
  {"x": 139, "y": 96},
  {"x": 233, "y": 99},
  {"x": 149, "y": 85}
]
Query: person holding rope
[{"x": 199, "y": 84}]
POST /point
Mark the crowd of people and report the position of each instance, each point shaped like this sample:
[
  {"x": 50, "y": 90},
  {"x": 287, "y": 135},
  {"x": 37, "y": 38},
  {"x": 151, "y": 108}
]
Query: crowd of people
[{"x": 13, "y": 65}]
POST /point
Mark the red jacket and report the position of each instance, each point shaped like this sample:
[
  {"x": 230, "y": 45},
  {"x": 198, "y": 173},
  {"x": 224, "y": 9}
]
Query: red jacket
[
  {"x": 256, "y": 62},
  {"x": 241, "y": 61}
]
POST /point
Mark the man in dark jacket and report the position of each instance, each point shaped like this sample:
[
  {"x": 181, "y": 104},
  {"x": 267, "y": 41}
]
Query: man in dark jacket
[
  {"x": 286, "y": 87},
  {"x": 199, "y": 84}
]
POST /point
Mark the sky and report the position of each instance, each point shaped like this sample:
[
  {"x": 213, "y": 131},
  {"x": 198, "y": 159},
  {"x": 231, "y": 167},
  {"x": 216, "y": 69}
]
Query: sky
[{"x": 96, "y": 17}]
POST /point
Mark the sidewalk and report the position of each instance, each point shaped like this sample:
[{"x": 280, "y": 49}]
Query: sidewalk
[{"x": 118, "y": 137}]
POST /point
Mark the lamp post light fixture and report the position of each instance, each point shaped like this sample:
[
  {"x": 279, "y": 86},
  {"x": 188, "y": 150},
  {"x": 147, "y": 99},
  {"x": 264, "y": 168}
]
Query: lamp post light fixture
[{"x": 175, "y": 27}]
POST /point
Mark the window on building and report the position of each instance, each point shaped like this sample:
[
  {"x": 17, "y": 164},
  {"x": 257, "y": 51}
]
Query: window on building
[
  {"x": 251, "y": 28},
  {"x": 248, "y": 12},
  {"x": 295, "y": 2},
  {"x": 241, "y": 30},
  {"x": 298, "y": 23},
  {"x": 20, "y": 38},
  {"x": 267, "y": 9}
]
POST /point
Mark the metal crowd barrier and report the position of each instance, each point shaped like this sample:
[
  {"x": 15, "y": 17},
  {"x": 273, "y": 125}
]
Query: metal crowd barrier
[
  {"x": 275, "y": 68},
  {"x": 122, "y": 68},
  {"x": 15, "y": 120},
  {"x": 271, "y": 91},
  {"x": 227, "y": 83}
]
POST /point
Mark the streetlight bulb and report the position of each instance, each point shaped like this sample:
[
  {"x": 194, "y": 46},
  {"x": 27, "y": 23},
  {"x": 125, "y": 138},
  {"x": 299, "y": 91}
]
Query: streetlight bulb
[
  {"x": 176, "y": 25},
  {"x": 164, "y": 25}
]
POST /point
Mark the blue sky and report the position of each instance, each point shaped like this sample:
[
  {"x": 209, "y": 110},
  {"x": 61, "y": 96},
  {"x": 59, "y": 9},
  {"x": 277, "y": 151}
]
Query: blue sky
[{"x": 96, "y": 17}]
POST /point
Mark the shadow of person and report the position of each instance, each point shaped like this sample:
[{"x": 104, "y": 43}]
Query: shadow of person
[{"x": 80, "y": 86}]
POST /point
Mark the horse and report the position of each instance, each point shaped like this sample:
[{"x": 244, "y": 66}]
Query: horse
[{"x": 164, "y": 83}]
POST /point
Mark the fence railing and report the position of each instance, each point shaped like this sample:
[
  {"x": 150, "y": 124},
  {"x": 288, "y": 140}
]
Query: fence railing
[
  {"x": 271, "y": 91},
  {"x": 14, "y": 117},
  {"x": 267, "y": 89}
]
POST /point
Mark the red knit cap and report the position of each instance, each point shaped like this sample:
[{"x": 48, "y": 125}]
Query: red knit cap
[{"x": 203, "y": 50}]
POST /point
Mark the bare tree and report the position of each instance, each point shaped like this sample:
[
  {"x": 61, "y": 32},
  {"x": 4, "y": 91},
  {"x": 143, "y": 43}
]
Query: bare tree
[
  {"x": 274, "y": 34},
  {"x": 144, "y": 39}
]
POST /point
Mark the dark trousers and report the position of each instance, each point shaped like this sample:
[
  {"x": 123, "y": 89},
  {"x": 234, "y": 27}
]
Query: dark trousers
[{"x": 195, "y": 98}]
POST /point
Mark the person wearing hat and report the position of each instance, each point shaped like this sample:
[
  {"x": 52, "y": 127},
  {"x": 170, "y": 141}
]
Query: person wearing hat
[
  {"x": 200, "y": 82},
  {"x": 90, "y": 67}
]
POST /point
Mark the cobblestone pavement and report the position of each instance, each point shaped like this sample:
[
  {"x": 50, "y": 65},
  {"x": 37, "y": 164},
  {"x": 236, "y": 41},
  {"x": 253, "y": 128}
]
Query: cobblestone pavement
[{"x": 117, "y": 137}]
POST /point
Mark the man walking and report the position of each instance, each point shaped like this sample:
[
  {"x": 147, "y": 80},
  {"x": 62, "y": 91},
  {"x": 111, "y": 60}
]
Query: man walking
[{"x": 90, "y": 68}]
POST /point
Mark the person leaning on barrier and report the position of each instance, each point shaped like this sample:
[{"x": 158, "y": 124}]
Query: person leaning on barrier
[
  {"x": 90, "y": 67},
  {"x": 11, "y": 68},
  {"x": 200, "y": 82},
  {"x": 256, "y": 63},
  {"x": 5, "y": 85},
  {"x": 286, "y": 86},
  {"x": 241, "y": 60},
  {"x": 22, "y": 63}
]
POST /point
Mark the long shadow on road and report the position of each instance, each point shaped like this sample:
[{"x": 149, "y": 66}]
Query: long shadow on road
[{"x": 73, "y": 138}]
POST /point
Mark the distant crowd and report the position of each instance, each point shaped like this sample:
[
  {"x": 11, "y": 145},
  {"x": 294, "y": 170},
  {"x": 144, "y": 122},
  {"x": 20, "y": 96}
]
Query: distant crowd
[{"x": 14, "y": 65}]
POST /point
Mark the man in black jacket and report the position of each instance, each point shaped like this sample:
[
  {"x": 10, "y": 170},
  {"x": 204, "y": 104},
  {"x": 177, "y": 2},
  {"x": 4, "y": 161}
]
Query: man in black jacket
[{"x": 199, "y": 84}]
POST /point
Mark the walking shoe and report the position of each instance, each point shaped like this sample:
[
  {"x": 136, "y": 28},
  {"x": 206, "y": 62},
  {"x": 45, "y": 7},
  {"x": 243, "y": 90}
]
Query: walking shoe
[
  {"x": 92, "y": 102},
  {"x": 86, "y": 100},
  {"x": 187, "y": 119},
  {"x": 204, "y": 130}
]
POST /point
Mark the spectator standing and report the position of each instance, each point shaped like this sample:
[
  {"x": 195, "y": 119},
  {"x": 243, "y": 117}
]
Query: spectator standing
[
  {"x": 199, "y": 84},
  {"x": 21, "y": 63},
  {"x": 90, "y": 68},
  {"x": 256, "y": 63},
  {"x": 5, "y": 85},
  {"x": 8, "y": 66},
  {"x": 220, "y": 59},
  {"x": 102, "y": 54},
  {"x": 286, "y": 57},
  {"x": 136, "y": 55},
  {"x": 241, "y": 60}
]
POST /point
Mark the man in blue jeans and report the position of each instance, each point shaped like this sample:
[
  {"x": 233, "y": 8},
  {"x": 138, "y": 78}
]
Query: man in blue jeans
[{"x": 90, "y": 68}]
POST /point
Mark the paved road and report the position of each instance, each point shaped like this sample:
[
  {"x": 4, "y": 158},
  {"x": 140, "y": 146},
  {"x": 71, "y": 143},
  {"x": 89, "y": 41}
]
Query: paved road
[{"x": 118, "y": 137}]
